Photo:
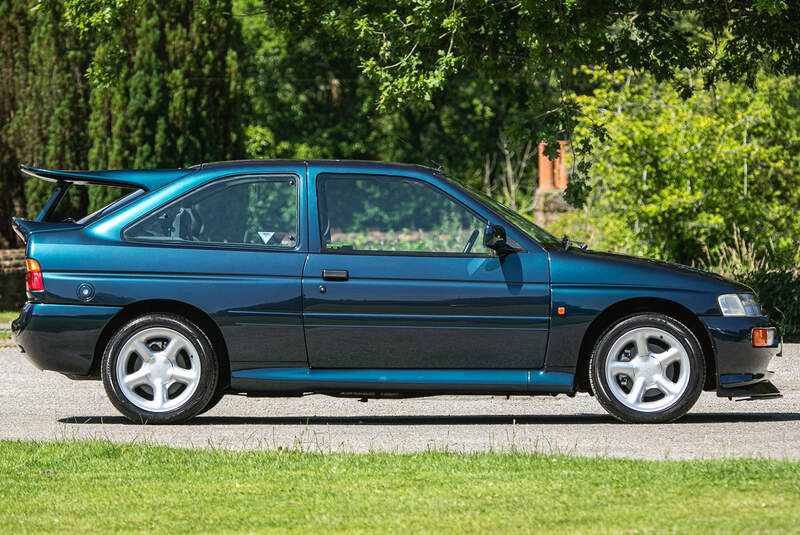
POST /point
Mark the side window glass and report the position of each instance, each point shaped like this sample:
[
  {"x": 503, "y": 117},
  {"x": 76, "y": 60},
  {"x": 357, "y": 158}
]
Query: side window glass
[
  {"x": 395, "y": 214},
  {"x": 241, "y": 211}
]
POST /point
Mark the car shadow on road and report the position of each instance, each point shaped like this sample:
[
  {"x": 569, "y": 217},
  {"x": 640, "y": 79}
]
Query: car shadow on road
[{"x": 484, "y": 419}]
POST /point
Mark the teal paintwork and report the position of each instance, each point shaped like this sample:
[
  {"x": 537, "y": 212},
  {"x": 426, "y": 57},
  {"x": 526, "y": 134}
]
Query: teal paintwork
[
  {"x": 409, "y": 381},
  {"x": 400, "y": 323},
  {"x": 52, "y": 347}
]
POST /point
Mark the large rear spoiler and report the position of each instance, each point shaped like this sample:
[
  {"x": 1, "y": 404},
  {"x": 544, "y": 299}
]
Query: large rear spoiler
[{"x": 147, "y": 179}]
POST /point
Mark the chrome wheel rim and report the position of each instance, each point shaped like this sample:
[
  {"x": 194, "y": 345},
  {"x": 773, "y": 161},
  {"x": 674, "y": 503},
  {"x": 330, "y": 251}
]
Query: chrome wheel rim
[
  {"x": 647, "y": 369},
  {"x": 158, "y": 369}
]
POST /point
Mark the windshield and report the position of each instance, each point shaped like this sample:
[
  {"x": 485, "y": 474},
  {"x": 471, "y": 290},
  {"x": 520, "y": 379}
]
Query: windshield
[{"x": 528, "y": 227}]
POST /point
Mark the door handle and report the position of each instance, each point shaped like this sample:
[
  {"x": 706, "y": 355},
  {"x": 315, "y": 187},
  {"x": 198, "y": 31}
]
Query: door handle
[{"x": 335, "y": 275}]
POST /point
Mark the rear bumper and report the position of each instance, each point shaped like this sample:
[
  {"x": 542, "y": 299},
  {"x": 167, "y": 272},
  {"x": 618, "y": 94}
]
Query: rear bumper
[
  {"x": 60, "y": 338},
  {"x": 742, "y": 370}
]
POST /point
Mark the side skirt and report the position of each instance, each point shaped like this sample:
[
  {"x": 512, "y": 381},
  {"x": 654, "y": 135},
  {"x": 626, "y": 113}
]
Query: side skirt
[{"x": 299, "y": 380}]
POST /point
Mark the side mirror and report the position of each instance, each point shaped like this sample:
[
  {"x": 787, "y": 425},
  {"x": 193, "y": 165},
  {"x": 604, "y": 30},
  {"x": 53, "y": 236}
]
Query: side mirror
[{"x": 494, "y": 237}]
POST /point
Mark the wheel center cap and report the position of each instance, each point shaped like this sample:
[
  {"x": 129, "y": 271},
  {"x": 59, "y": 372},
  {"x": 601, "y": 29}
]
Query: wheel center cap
[
  {"x": 648, "y": 367},
  {"x": 161, "y": 369}
]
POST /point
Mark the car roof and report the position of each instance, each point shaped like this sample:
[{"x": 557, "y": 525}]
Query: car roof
[
  {"x": 328, "y": 164},
  {"x": 152, "y": 179}
]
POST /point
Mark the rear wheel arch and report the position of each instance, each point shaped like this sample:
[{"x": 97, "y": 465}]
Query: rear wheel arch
[
  {"x": 193, "y": 314},
  {"x": 620, "y": 310}
]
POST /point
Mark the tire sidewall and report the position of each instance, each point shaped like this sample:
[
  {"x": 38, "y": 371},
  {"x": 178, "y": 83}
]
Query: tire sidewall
[
  {"x": 208, "y": 369},
  {"x": 600, "y": 356}
]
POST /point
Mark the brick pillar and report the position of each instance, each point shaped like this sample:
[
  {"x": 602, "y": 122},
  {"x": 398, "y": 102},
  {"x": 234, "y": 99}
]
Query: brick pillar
[{"x": 545, "y": 170}]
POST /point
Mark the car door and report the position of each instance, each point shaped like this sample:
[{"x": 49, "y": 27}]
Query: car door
[{"x": 398, "y": 277}]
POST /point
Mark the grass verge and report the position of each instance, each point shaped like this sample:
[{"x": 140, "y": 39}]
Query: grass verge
[
  {"x": 7, "y": 316},
  {"x": 102, "y": 487}
]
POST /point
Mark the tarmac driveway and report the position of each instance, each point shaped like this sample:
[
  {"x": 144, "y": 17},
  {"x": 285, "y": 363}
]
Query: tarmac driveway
[{"x": 45, "y": 406}]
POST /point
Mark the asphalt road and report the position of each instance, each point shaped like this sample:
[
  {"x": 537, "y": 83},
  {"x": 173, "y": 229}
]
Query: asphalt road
[{"x": 45, "y": 406}]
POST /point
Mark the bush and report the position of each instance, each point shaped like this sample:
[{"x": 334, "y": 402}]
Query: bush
[
  {"x": 778, "y": 292},
  {"x": 777, "y": 288}
]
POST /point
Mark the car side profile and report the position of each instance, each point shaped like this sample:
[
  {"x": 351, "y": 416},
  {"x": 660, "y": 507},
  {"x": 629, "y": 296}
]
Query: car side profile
[{"x": 365, "y": 280}]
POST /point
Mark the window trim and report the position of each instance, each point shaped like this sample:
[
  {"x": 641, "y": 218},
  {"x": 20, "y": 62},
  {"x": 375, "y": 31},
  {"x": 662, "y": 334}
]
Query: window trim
[
  {"x": 322, "y": 177},
  {"x": 270, "y": 177}
]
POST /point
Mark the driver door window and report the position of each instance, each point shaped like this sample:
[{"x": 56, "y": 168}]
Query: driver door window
[{"x": 395, "y": 215}]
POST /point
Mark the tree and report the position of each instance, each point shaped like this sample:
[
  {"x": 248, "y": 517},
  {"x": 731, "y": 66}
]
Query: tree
[
  {"x": 45, "y": 105},
  {"x": 53, "y": 106},
  {"x": 13, "y": 51},
  {"x": 309, "y": 98},
  {"x": 413, "y": 49},
  {"x": 177, "y": 97},
  {"x": 679, "y": 179}
]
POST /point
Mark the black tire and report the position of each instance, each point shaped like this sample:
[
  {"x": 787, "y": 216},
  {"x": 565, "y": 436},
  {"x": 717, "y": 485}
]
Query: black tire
[
  {"x": 192, "y": 400},
  {"x": 622, "y": 403},
  {"x": 215, "y": 399}
]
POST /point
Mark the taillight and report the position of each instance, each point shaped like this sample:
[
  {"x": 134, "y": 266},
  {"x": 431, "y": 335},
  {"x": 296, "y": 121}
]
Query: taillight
[{"x": 33, "y": 278}]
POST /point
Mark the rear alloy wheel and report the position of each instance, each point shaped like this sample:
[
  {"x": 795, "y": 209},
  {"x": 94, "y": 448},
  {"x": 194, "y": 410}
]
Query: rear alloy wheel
[
  {"x": 648, "y": 368},
  {"x": 159, "y": 368}
]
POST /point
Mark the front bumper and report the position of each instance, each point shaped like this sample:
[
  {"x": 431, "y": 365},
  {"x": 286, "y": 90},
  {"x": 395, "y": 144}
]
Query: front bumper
[
  {"x": 742, "y": 370},
  {"x": 60, "y": 338}
]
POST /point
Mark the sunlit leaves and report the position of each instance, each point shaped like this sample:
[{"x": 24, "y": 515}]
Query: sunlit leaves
[{"x": 675, "y": 177}]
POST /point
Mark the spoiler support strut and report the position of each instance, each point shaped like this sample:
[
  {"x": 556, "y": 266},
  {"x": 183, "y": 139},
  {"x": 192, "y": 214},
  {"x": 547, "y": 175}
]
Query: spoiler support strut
[{"x": 55, "y": 198}]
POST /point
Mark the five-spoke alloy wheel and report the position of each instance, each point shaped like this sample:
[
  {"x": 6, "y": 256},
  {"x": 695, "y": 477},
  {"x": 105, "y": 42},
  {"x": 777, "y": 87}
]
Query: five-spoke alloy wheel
[
  {"x": 160, "y": 368},
  {"x": 647, "y": 368}
]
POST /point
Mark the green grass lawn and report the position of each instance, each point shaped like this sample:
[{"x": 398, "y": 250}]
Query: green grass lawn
[{"x": 99, "y": 487}]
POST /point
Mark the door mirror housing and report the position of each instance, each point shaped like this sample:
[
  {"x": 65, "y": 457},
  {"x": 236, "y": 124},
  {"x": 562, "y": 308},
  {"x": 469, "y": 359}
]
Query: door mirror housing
[{"x": 494, "y": 237}]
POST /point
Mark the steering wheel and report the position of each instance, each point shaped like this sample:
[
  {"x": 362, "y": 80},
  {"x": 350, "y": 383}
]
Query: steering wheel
[{"x": 471, "y": 241}]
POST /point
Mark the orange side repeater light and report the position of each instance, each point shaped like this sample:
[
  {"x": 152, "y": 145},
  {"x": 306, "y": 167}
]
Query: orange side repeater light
[
  {"x": 33, "y": 278},
  {"x": 761, "y": 337},
  {"x": 561, "y": 311}
]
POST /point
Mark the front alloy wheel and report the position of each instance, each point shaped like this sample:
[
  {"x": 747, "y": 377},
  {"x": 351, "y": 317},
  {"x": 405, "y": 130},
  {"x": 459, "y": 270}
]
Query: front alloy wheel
[
  {"x": 159, "y": 368},
  {"x": 647, "y": 368}
]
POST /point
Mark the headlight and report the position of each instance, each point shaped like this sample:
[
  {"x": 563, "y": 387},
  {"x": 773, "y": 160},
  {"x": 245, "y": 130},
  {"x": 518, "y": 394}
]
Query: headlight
[{"x": 738, "y": 305}]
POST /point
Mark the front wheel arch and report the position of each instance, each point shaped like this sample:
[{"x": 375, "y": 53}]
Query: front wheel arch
[
  {"x": 647, "y": 368},
  {"x": 621, "y": 309},
  {"x": 193, "y": 314}
]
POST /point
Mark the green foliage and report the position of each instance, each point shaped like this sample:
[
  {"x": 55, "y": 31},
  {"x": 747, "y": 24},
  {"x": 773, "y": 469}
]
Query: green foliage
[
  {"x": 177, "y": 101},
  {"x": 680, "y": 177},
  {"x": 413, "y": 49},
  {"x": 309, "y": 99},
  {"x": 778, "y": 292},
  {"x": 45, "y": 105},
  {"x": 444, "y": 71},
  {"x": 13, "y": 51},
  {"x": 53, "y": 106}
]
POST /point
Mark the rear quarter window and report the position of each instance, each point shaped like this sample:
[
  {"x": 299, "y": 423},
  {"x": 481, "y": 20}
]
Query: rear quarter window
[{"x": 250, "y": 211}]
